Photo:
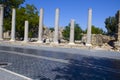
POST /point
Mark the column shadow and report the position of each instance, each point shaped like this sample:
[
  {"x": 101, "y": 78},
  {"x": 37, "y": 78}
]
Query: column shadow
[{"x": 89, "y": 69}]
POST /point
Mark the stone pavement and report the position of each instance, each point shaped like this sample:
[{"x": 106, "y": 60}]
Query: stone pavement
[
  {"x": 45, "y": 63},
  {"x": 9, "y": 75}
]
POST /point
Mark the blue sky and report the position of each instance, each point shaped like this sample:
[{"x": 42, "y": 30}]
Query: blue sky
[{"x": 77, "y": 10}]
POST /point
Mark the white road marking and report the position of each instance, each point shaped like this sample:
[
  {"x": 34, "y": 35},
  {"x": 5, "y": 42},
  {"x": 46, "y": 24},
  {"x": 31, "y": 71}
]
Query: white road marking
[{"x": 11, "y": 72}]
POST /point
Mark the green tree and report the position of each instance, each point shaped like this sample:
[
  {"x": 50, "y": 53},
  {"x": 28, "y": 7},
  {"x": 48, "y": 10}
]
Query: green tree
[
  {"x": 8, "y": 5},
  {"x": 30, "y": 13},
  {"x": 111, "y": 25},
  {"x": 78, "y": 31},
  {"x": 52, "y": 29},
  {"x": 96, "y": 30}
]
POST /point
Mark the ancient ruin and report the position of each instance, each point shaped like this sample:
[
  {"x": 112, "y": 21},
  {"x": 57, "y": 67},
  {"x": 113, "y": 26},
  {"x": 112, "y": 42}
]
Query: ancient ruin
[
  {"x": 40, "y": 33},
  {"x": 1, "y": 21},
  {"x": 26, "y": 31},
  {"x": 52, "y": 37},
  {"x": 56, "y": 26},
  {"x": 117, "y": 43},
  {"x": 13, "y": 25},
  {"x": 72, "y": 32},
  {"x": 88, "y": 42}
]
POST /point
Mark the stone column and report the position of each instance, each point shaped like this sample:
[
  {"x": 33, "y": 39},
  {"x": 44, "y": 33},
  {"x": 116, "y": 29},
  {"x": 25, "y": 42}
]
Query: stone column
[
  {"x": 13, "y": 25},
  {"x": 117, "y": 43},
  {"x": 72, "y": 32},
  {"x": 26, "y": 31},
  {"x": 40, "y": 33},
  {"x": 119, "y": 26},
  {"x": 88, "y": 43},
  {"x": 1, "y": 21},
  {"x": 56, "y": 26}
]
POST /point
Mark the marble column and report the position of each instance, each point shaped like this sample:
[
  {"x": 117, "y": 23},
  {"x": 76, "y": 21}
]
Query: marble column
[
  {"x": 13, "y": 25},
  {"x": 56, "y": 26},
  {"x": 88, "y": 43},
  {"x": 118, "y": 26},
  {"x": 26, "y": 31},
  {"x": 1, "y": 21},
  {"x": 117, "y": 42},
  {"x": 40, "y": 33},
  {"x": 72, "y": 32}
]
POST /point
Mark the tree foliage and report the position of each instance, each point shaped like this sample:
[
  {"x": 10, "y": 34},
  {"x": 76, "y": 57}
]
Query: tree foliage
[
  {"x": 30, "y": 13},
  {"x": 95, "y": 30},
  {"x": 9, "y": 4},
  {"x": 77, "y": 34},
  {"x": 111, "y": 25}
]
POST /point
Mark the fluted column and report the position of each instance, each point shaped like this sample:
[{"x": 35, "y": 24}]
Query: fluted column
[
  {"x": 1, "y": 21},
  {"x": 88, "y": 43},
  {"x": 40, "y": 33},
  {"x": 56, "y": 26},
  {"x": 13, "y": 25},
  {"x": 26, "y": 31},
  {"x": 72, "y": 32}
]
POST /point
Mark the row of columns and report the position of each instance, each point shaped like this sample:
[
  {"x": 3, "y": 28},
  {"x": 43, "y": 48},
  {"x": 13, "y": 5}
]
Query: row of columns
[{"x": 40, "y": 33}]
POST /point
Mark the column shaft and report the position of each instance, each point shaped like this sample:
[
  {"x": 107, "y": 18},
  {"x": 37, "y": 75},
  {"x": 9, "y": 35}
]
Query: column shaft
[
  {"x": 13, "y": 25},
  {"x": 26, "y": 31},
  {"x": 72, "y": 32},
  {"x": 1, "y": 21},
  {"x": 40, "y": 33},
  {"x": 118, "y": 25},
  {"x": 56, "y": 26},
  {"x": 88, "y": 43}
]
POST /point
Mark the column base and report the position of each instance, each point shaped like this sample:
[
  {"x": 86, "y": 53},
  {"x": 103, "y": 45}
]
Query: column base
[
  {"x": 39, "y": 42},
  {"x": 88, "y": 44},
  {"x": 12, "y": 40},
  {"x": 56, "y": 43},
  {"x": 1, "y": 39},
  {"x": 71, "y": 44},
  {"x": 25, "y": 41}
]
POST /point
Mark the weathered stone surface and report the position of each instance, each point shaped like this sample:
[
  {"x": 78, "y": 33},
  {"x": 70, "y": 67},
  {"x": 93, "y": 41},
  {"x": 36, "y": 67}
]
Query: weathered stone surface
[
  {"x": 98, "y": 39},
  {"x": 88, "y": 42},
  {"x": 56, "y": 26},
  {"x": 117, "y": 43},
  {"x": 72, "y": 32},
  {"x": 40, "y": 33},
  {"x": 26, "y": 31},
  {"x": 13, "y": 25},
  {"x": 1, "y": 21}
]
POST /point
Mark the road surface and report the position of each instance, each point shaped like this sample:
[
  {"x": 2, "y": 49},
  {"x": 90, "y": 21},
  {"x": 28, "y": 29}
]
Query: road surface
[{"x": 33, "y": 64}]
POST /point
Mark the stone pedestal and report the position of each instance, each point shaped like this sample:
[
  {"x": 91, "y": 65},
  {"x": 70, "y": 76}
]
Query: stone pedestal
[
  {"x": 88, "y": 43},
  {"x": 72, "y": 32},
  {"x": 56, "y": 26},
  {"x": 1, "y": 21},
  {"x": 13, "y": 25},
  {"x": 26, "y": 31},
  {"x": 40, "y": 33}
]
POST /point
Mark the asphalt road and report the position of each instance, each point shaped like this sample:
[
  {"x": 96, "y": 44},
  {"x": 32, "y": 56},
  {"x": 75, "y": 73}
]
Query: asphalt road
[{"x": 53, "y": 65}]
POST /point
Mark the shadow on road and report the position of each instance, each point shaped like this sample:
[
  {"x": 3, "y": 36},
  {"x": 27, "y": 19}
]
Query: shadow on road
[{"x": 89, "y": 69}]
